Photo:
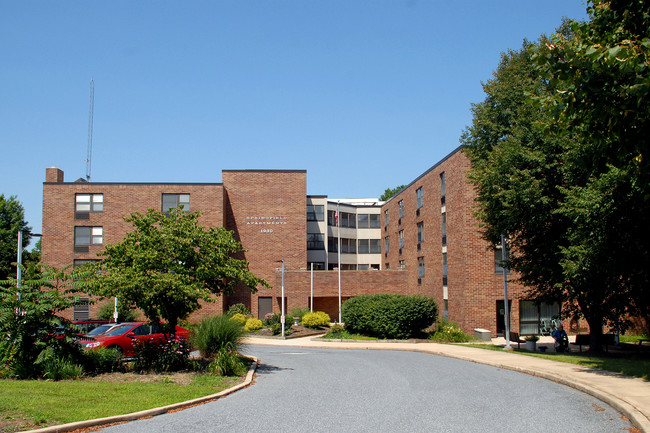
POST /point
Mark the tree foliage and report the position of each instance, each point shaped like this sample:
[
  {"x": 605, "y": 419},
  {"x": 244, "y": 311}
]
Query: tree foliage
[
  {"x": 168, "y": 263},
  {"x": 12, "y": 220},
  {"x": 390, "y": 192},
  {"x": 558, "y": 152},
  {"x": 29, "y": 321}
]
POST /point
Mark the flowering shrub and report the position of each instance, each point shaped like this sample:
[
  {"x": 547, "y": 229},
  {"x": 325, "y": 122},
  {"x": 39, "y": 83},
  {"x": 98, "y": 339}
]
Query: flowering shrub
[
  {"x": 239, "y": 318},
  {"x": 170, "y": 355},
  {"x": 449, "y": 331},
  {"x": 253, "y": 325},
  {"x": 316, "y": 319}
]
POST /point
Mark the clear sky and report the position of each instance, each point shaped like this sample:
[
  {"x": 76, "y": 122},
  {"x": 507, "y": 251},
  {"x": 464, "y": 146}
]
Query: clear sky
[{"x": 362, "y": 94}]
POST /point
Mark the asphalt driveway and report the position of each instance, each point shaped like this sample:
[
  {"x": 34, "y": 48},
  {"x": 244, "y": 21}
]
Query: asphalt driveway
[{"x": 329, "y": 390}]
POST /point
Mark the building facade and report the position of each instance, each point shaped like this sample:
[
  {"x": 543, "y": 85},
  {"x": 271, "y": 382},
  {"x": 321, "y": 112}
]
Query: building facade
[{"x": 424, "y": 240}]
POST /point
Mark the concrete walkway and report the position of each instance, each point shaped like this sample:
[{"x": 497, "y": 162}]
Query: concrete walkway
[{"x": 630, "y": 396}]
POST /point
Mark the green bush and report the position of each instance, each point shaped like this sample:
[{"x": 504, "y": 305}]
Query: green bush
[
  {"x": 316, "y": 319},
  {"x": 238, "y": 309},
  {"x": 55, "y": 367},
  {"x": 227, "y": 363},
  {"x": 215, "y": 333},
  {"x": 124, "y": 314},
  {"x": 101, "y": 360},
  {"x": 451, "y": 332},
  {"x": 297, "y": 312},
  {"x": 253, "y": 325},
  {"x": 169, "y": 356},
  {"x": 238, "y": 318},
  {"x": 276, "y": 328},
  {"x": 389, "y": 316}
]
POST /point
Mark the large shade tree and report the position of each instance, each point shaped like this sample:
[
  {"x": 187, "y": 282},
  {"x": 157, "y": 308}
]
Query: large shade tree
[
  {"x": 168, "y": 263},
  {"x": 560, "y": 171},
  {"x": 601, "y": 73},
  {"x": 12, "y": 220}
]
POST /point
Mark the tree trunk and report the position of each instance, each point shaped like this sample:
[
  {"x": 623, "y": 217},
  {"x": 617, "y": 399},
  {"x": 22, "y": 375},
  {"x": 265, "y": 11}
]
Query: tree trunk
[{"x": 595, "y": 335}]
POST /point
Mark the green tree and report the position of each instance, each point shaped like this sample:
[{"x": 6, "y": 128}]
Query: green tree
[
  {"x": 600, "y": 70},
  {"x": 517, "y": 170},
  {"x": 12, "y": 220},
  {"x": 390, "y": 192},
  {"x": 574, "y": 209},
  {"x": 168, "y": 263},
  {"x": 29, "y": 321}
]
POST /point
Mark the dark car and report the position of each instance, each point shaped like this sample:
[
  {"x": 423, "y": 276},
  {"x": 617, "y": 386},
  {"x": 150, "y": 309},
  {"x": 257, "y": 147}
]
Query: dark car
[
  {"x": 123, "y": 336},
  {"x": 88, "y": 325}
]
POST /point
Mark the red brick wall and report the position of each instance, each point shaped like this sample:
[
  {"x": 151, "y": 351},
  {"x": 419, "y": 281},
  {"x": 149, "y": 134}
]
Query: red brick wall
[
  {"x": 267, "y": 210},
  {"x": 120, "y": 200},
  {"x": 473, "y": 287}
]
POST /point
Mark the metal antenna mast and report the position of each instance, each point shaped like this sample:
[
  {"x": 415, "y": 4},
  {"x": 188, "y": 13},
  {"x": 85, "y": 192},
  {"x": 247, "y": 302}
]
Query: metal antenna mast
[{"x": 91, "y": 112}]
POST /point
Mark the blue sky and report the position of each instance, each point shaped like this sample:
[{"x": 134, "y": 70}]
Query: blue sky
[{"x": 364, "y": 95}]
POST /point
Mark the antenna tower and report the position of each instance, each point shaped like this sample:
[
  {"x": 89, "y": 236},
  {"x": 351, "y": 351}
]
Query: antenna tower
[{"x": 91, "y": 112}]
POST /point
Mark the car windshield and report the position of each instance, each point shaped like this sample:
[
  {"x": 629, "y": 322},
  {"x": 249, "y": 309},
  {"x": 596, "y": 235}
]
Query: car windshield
[
  {"x": 120, "y": 330},
  {"x": 99, "y": 330}
]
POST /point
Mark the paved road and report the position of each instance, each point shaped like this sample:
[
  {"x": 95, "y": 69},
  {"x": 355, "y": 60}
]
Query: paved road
[{"x": 325, "y": 390}]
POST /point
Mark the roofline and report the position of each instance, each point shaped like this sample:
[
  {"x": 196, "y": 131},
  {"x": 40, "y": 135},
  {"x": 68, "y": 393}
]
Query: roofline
[
  {"x": 452, "y": 153},
  {"x": 133, "y": 183}
]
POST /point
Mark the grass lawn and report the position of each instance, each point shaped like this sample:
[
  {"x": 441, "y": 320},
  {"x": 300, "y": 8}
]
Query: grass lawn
[
  {"x": 26, "y": 404},
  {"x": 630, "y": 364}
]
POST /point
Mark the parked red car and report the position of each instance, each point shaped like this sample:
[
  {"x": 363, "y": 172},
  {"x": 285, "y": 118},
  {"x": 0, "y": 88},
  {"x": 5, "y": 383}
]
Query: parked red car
[{"x": 124, "y": 335}]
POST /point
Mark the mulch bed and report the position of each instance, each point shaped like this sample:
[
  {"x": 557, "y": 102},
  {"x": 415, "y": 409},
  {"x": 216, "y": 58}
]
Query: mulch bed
[{"x": 296, "y": 331}]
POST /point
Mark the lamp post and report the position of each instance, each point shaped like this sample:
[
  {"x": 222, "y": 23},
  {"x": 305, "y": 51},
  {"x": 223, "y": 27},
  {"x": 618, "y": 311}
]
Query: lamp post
[
  {"x": 282, "y": 318},
  {"x": 505, "y": 290}
]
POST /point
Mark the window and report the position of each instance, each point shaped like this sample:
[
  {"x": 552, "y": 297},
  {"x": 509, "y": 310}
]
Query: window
[
  {"x": 315, "y": 241},
  {"x": 419, "y": 194},
  {"x": 175, "y": 201},
  {"x": 79, "y": 262},
  {"x": 363, "y": 267},
  {"x": 84, "y": 236},
  {"x": 318, "y": 266},
  {"x": 401, "y": 238},
  {"x": 364, "y": 246},
  {"x": 385, "y": 218},
  {"x": 375, "y": 246},
  {"x": 89, "y": 202},
  {"x": 387, "y": 243},
  {"x": 387, "y": 266},
  {"x": 402, "y": 264},
  {"x": 444, "y": 264},
  {"x": 420, "y": 232},
  {"x": 346, "y": 219},
  {"x": 442, "y": 188},
  {"x": 401, "y": 209},
  {"x": 498, "y": 261},
  {"x": 81, "y": 309},
  {"x": 348, "y": 246},
  {"x": 363, "y": 222},
  {"x": 420, "y": 267},
  {"x": 315, "y": 212},
  {"x": 368, "y": 221},
  {"x": 444, "y": 229}
]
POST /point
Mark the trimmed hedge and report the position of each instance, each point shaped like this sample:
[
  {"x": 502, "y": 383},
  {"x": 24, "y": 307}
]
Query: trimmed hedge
[
  {"x": 389, "y": 316},
  {"x": 316, "y": 319}
]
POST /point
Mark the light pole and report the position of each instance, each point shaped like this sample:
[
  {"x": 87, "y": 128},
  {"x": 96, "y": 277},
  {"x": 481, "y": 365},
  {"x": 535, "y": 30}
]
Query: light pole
[
  {"x": 282, "y": 318},
  {"x": 505, "y": 290}
]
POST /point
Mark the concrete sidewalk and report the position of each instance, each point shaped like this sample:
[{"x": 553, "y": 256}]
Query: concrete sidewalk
[{"x": 631, "y": 396}]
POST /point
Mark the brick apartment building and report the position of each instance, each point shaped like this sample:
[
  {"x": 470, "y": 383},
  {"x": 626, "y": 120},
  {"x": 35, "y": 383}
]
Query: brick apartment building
[{"x": 423, "y": 240}]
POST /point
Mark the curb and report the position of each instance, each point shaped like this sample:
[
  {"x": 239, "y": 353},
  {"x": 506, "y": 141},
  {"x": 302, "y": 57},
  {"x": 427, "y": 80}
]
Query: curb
[{"x": 150, "y": 412}]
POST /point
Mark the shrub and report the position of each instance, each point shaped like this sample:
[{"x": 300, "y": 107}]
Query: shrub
[
  {"x": 215, "y": 333},
  {"x": 124, "y": 314},
  {"x": 298, "y": 312},
  {"x": 253, "y": 325},
  {"x": 171, "y": 355},
  {"x": 227, "y": 363},
  {"x": 316, "y": 319},
  {"x": 56, "y": 367},
  {"x": 451, "y": 332},
  {"x": 238, "y": 309},
  {"x": 239, "y": 318},
  {"x": 389, "y": 316},
  {"x": 276, "y": 328},
  {"x": 101, "y": 360}
]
